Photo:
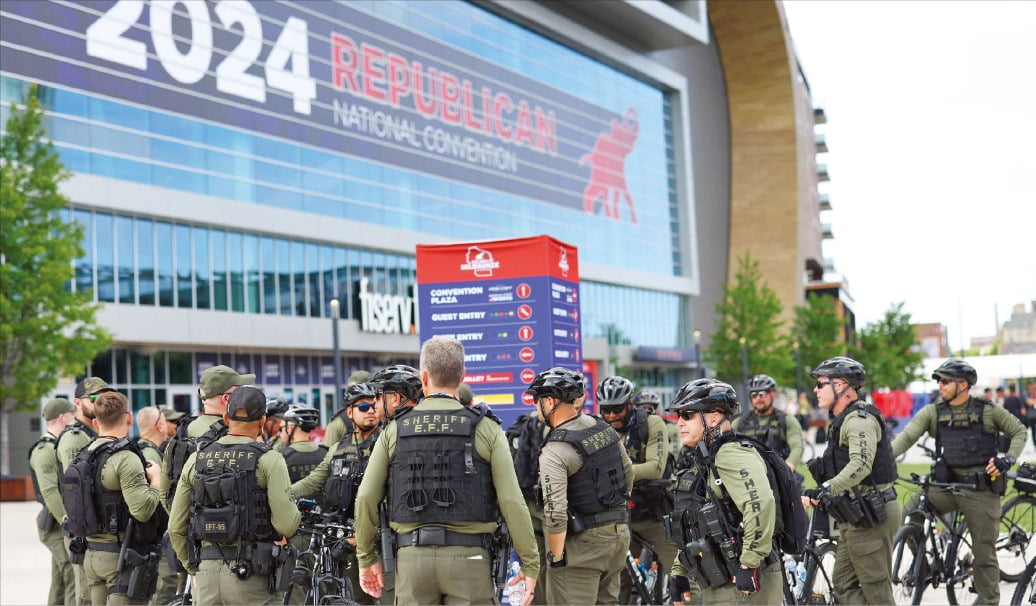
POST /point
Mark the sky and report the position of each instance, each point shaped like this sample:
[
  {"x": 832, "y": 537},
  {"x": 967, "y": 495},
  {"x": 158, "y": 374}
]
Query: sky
[{"x": 931, "y": 127}]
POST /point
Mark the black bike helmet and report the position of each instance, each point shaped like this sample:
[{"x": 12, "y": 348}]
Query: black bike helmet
[
  {"x": 842, "y": 367},
  {"x": 762, "y": 383},
  {"x": 614, "y": 390},
  {"x": 304, "y": 416},
  {"x": 400, "y": 378},
  {"x": 561, "y": 383},
  {"x": 275, "y": 407},
  {"x": 958, "y": 369},
  {"x": 359, "y": 391},
  {"x": 706, "y": 395},
  {"x": 647, "y": 397}
]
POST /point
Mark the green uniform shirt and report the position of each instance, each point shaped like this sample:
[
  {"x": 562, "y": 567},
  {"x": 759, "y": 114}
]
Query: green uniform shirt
[
  {"x": 150, "y": 451},
  {"x": 861, "y": 434},
  {"x": 314, "y": 483},
  {"x": 491, "y": 445},
  {"x": 994, "y": 418},
  {"x": 44, "y": 463},
  {"x": 123, "y": 472},
  {"x": 791, "y": 433},
  {"x": 558, "y": 462},
  {"x": 336, "y": 429},
  {"x": 744, "y": 474},
  {"x": 652, "y": 453},
  {"x": 271, "y": 474},
  {"x": 76, "y": 437}
]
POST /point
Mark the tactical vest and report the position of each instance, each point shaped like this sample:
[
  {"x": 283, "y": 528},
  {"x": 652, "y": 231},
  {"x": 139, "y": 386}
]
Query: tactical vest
[
  {"x": 229, "y": 506},
  {"x": 45, "y": 441},
  {"x": 301, "y": 464},
  {"x": 600, "y": 484},
  {"x": 963, "y": 438},
  {"x": 436, "y": 475},
  {"x": 769, "y": 430},
  {"x": 836, "y": 457},
  {"x": 348, "y": 463},
  {"x": 76, "y": 425},
  {"x": 180, "y": 447},
  {"x": 688, "y": 497},
  {"x": 91, "y": 508},
  {"x": 525, "y": 437}
]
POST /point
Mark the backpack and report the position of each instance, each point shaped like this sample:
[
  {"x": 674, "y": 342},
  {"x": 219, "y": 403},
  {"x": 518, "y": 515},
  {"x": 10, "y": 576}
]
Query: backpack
[
  {"x": 181, "y": 447},
  {"x": 525, "y": 438},
  {"x": 90, "y": 507},
  {"x": 792, "y": 523}
]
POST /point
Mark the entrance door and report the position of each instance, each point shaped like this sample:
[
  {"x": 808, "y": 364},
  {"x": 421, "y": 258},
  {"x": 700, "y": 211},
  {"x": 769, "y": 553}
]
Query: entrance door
[{"x": 184, "y": 399}]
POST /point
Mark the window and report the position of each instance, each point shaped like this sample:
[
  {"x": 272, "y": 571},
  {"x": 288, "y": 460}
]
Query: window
[
  {"x": 201, "y": 268},
  {"x": 184, "y": 271},
  {"x": 298, "y": 270},
  {"x": 237, "y": 272},
  {"x": 104, "y": 236},
  {"x": 127, "y": 270},
  {"x": 268, "y": 259},
  {"x": 84, "y": 266},
  {"x": 252, "y": 283},
  {"x": 219, "y": 270},
  {"x": 146, "y": 261},
  {"x": 164, "y": 238}
]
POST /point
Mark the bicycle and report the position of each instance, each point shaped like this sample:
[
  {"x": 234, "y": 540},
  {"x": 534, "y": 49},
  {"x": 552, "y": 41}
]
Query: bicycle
[
  {"x": 1025, "y": 591},
  {"x": 321, "y": 568},
  {"x": 937, "y": 551},
  {"x": 182, "y": 599},
  {"x": 810, "y": 581},
  {"x": 649, "y": 575},
  {"x": 1017, "y": 526}
]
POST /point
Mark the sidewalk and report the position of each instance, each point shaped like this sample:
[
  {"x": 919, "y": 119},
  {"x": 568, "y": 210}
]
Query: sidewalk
[{"x": 24, "y": 561}]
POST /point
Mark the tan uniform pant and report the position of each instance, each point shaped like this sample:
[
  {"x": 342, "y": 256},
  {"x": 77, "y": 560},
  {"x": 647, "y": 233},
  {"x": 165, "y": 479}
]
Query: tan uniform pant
[
  {"x": 62, "y": 578},
  {"x": 452, "y": 575},
  {"x": 863, "y": 562},
  {"x": 595, "y": 560},
  {"x": 101, "y": 572},
  {"x": 771, "y": 590},
  {"x": 82, "y": 593},
  {"x": 216, "y": 585},
  {"x": 981, "y": 509}
]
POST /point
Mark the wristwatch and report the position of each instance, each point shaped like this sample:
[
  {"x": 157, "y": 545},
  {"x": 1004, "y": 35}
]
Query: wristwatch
[{"x": 556, "y": 561}]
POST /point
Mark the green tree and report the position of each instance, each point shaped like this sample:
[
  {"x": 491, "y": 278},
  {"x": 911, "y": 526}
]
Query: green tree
[
  {"x": 46, "y": 330},
  {"x": 890, "y": 351},
  {"x": 817, "y": 331},
  {"x": 749, "y": 310}
]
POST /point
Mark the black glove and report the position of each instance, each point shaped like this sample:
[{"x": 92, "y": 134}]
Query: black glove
[
  {"x": 747, "y": 579},
  {"x": 820, "y": 493},
  {"x": 677, "y": 587},
  {"x": 1002, "y": 464}
]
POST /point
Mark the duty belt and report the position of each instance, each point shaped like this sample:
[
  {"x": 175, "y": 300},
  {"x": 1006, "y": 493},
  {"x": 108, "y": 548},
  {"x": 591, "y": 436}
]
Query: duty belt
[
  {"x": 109, "y": 547},
  {"x": 437, "y": 535}
]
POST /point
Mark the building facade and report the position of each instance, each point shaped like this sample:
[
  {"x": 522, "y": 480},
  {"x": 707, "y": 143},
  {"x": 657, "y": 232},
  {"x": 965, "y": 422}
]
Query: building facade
[{"x": 236, "y": 166}]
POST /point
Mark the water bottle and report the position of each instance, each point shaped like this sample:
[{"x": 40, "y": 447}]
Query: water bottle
[
  {"x": 791, "y": 570},
  {"x": 652, "y": 576},
  {"x": 516, "y": 592},
  {"x": 802, "y": 572}
]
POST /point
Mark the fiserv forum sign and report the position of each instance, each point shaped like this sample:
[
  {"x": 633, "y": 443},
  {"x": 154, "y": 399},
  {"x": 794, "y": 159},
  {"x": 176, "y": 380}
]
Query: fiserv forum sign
[{"x": 342, "y": 78}]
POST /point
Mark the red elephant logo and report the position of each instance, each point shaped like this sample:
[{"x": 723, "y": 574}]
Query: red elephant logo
[{"x": 607, "y": 162}]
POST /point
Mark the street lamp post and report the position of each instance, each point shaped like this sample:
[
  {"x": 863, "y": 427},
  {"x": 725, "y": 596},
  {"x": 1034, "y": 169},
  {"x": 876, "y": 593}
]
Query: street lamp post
[
  {"x": 700, "y": 370},
  {"x": 338, "y": 355},
  {"x": 744, "y": 368}
]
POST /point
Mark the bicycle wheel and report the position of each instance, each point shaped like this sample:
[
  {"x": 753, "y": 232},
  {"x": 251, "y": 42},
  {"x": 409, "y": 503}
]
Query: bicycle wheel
[
  {"x": 1025, "y": 592},
  {"x": 1017, "y": 523},
  {"x": 909, "y": 565},
  {"x": 960, "y": 565},
  {"x": 818, "y": 587}
]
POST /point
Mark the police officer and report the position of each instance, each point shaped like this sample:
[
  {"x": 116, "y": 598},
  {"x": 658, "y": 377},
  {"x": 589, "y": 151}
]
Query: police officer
[
  {"x": 271, "y": 433},
  {"x": 338, "y": 476},
  {"x": 232, "y": 511},
  {"x": 172, "y": 417},
  {"x": 965, "y": 431},
  {"x": 130, "y": 488},
  {"x": 772, "y": 427},
  {"x": 858, "y": 467},
  {"x": 449, "y": 477},
  {"x": 76, "y": 436},
  {"x": 651, "y": 402},
  {"x": 398, "y": 388},
  {"x": 43, "y": 464},
  {"x": 585, "y": 479},
  {"x": 151, "y": 427},
  {"x": 725, "y": 514},
  {"x": 340, "y": 425},
  {"x": 300, "y": 454},
  {"x": 216, "y": 385},
  {"x": 646, "y": 441}
]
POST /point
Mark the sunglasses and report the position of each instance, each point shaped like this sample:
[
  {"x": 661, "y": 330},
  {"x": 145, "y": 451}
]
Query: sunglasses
[
  {"x": 365, "y": 407},
  {"x": 687, "y": 415},
  {"x": 613, "y": 409},
  {"x": 946, "y": 381},
  {"x": 757, "y": 394},
  {"x": 823, "y": 384}
]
